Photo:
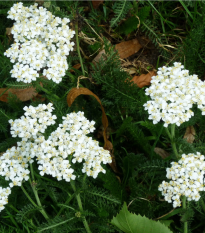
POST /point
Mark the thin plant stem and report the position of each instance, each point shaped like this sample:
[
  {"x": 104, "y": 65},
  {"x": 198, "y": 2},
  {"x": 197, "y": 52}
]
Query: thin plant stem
[
  {"x": 172, "y": 138},
  {"x": 168, "y": 133},
  {"x": 157, "y": 139},
  {"x": 12, "y": 207},
  {"x": 48, "y": 92},
  {"x": 173, "y": 141},
  {"x": 67, "y": 201},
  {"x": 202, "y": 204},
  {"x": 35, "y": 191},
  {"x": 78, "y": 48},
  {"x": 30, "y": 199},
  {"x": 184, "y": 207},
  {"x": 80, "y": 206},
  {"x": 27, "y": 195}
]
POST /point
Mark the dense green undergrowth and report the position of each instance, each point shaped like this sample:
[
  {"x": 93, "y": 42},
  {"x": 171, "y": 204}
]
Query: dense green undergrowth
[{"x": 171, "y": 30}]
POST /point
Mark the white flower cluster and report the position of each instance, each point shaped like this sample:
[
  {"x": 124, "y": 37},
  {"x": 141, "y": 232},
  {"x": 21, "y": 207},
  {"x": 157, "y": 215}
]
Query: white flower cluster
[
  {"x": 173, "y": 92},
  {"x": 56, "y": 155},
  {"x": 187, "y": 179},
  {"x": 42, "y": 43},
  {"x": 35, "y": 122},
  {"x": 4, "y": 193},
  {"x": 70, "y": 138}
]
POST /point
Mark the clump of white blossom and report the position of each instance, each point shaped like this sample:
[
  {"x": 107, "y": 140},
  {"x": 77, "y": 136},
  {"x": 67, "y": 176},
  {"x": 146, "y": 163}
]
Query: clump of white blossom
[
  {"x": 4, "y": 193},
  {"x": 55, "y": 155},
  {"x": 187, "y": 179},
  {"x": 42, "y": 43},
  {"x": 173, "y": 92}
]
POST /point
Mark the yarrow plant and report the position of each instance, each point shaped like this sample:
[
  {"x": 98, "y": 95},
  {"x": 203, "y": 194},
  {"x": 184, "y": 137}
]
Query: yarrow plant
[
  {"x": 56, "y": 155},
  {"x": 187, "y": 179},
  {"x": 42, "y": 43},
  {"x": 173, "y": 92}
]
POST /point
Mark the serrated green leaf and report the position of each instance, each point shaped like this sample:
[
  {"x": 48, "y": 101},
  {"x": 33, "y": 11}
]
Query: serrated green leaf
[
  {"x": 166, "y": 222},
  {"x": 132, "y": 223}
]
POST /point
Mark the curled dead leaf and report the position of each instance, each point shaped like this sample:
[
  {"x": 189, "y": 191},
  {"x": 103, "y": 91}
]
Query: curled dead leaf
[
  {"x": 144, "y": 79},
  {"x": 190, "y": 134},
  {"x": 22, "y": 94},
  {"x": 72, "y": 95}
]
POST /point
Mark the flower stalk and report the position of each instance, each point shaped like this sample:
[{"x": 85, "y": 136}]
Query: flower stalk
[
  {"x": 184, "y": 208},
  {"x": 172, "y": 139},
  {"x": 78, "y": 48},
  {"x": 80, "y": 206},
  {"x": 35, "y": 191}
]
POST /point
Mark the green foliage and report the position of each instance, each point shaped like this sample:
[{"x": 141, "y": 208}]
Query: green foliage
[
  {"x": 194, "y": 48},
  {"x": 120, "y": 9},
  {"x": 131, "y": 223},
  {"x": 26, "y": 213},
  {"x": 133, "y": 22},
  {"x": 152, "y": 32},
  {"x": 139, "y": 171},
  {"x": 102, "y": 196}
]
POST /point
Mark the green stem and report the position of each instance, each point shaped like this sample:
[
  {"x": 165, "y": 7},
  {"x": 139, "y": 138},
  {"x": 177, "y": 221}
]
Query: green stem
[
  {"x": 202, "y": 204},
  {"x": 184, "y": 207},
  {"x": 67, "y": 201},
  {"x": 168, "y": 133},
  {"x": 23, "y": 189},
  {"x": 35, "y": 191},
  {"x": 157, "y": 139},
  {"x": 80, "y": 206},
  {"x": 48, "y": 92},
  {"x": 172, "y": 138},
  {"x": 12, "y": 207},
  {"x": 173, "y": 130},
  {"x": 78, "y": 48}
]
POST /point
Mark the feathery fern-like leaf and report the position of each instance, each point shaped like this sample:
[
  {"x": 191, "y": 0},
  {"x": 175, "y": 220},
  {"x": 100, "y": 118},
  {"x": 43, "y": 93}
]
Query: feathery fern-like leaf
[{"x": 120, "y": 9}]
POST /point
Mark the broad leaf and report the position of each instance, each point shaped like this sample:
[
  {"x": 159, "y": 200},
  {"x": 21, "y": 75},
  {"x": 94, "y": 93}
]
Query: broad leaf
[{"x": 132, "y": 223}]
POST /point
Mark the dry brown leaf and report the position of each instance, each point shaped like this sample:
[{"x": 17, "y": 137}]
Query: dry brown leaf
[
  {"x": 72, "y": 95},
  {"x": 162, "y": 153},
  {"x": 8, "y": 33},
  {"x": 131, "y": 70},
  {"x": 128, "y": 48},
  {"x": 126, "y": 63},
  {"x": 39, "y": 98},
  {"x": 22, "y": 94},
  {"x": 190, "y": 134},
  {"x": 86, "y": 39},
  {"x": 98, "y": 57},
  {"x": 144, "y": 79},
  {"x": 96, "y": 3},
  {"x": 125, "y": 49},
  {"x": 77, "y": 66}
]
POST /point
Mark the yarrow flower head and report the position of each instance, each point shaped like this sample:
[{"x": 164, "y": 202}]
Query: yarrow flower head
[
  {"x": 42, "y": 43},
  {"x": 173, "y": 92},
  {"x": 56, "y": 155},
  {"x": 4, "y": 193},
  {"x": 187, "y": 179}
]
